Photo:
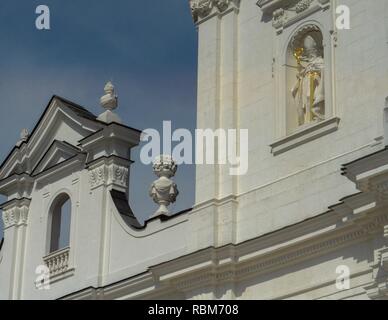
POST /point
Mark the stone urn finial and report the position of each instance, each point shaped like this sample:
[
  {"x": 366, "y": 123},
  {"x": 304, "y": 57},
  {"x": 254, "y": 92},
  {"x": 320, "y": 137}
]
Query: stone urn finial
[
  {"x": 109, "y": 102},
  {"x": 163, "y": 190}
]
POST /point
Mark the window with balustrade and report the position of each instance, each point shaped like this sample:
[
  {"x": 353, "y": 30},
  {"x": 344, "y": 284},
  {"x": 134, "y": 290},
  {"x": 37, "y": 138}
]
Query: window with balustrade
[{"x": 58, "y": 247}]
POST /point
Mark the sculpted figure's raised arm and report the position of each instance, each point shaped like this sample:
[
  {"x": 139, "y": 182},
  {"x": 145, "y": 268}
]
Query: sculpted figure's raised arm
[{"x": 308, "y": 91}]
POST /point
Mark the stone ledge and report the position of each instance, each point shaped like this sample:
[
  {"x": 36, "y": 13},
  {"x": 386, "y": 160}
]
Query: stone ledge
[{"x": 305, "y": 135}]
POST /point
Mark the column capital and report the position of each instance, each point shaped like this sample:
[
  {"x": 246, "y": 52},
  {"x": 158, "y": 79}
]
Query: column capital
[
  {"x": 109, "y": 171},
  {"x": 202, "y": 9},
  {"x": 15, "y": 212}
]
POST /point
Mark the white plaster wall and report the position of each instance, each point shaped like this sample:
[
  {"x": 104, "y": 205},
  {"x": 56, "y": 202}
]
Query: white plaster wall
[
  {"x": 281, "y": 190},
  {"x": 84, "y": 237},
  {"x": 133, "y": 252}
]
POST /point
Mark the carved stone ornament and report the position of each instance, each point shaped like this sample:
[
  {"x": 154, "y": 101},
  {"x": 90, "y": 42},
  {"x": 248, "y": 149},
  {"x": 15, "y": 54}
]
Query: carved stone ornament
[
  {"x": 109, "y": 102},
  {"x": 108, "y": 174},
  {"x": 200, "y": 9},
  {"x": 286, "y": 12},
  {"x": 163, "y": 190},
  {"x": 97, "y": 177},
  {"x": 16, "y": 215}
]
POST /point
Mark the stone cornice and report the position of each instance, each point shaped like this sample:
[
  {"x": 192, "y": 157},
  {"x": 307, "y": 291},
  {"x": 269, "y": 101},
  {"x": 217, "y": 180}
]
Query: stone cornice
[
  {"x": 20, "y": 184},
  {"x": 54, "y": 172},
  {"x": 201, "y": 9},
  {"x": 231, "y": 263},
  {"x": 269, "y": 6},
  {"x": 286, "y": 12},
  {"x": 25, "y": 156}
]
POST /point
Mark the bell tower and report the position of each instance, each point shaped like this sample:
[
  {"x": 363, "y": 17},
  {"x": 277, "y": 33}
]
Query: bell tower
[{"x": 283, "y": 71}]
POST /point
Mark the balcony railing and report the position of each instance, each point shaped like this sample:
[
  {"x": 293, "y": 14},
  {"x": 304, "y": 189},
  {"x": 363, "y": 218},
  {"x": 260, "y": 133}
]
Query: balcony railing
[{"x": 58, "y": 262}]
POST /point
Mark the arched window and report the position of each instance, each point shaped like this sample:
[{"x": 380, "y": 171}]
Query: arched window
[
  {"x": 60, "y": 216},
  {"x": 305, "y": 78}
]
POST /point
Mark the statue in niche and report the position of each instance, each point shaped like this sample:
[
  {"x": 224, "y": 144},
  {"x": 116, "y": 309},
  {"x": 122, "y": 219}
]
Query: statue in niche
[{"x": 308, "y": 92}]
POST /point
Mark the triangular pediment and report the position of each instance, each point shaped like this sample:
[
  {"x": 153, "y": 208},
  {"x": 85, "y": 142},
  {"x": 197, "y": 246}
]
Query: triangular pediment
[
  {"x": 58, "y": 152},
  {"x": 62, "y": 125}
]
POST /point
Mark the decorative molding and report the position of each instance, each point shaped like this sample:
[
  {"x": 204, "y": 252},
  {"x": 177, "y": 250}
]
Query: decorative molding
[
  {"x": 378, "y": 290},
  {"x": 23, "y": 157},
  {"x": 58, "y": 152},
  {"x": 334, "y": 37},
  {"x": 97, "y": 177},
  {"x": 108, "y": 174},
  {"x": 17, "y": 185},
  {"x": 201, "y": 9},
  {"x": 61, "y": 169},
  {"x": 58, "y": 264},
  {"x": 300, "y": 35},
  {"x": 304, "y": 135},
  {"x": 238, "y": 271},
  {"x": 164, "y": 191},
  {"x": 287, "y": 12},
  {"x": 120, "y": 175},
  {"x": 16, "y": 213},
  {"x": 233, "y": 263}
]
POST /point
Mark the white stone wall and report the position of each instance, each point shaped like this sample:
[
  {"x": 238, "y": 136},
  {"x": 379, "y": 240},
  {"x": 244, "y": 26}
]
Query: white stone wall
[{"x": 302, "y": 182}]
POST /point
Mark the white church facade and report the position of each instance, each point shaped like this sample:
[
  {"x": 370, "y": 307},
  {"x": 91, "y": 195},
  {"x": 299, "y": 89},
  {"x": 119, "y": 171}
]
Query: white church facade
[{"x": 312, "y": 208}]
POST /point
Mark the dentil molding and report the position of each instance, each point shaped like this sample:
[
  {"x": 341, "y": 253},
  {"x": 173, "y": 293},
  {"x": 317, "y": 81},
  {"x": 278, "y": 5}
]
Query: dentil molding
[{"x": 202, "y": 9}]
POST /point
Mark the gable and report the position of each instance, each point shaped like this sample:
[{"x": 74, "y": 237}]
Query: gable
[
  {"x": 62, "y": 121},
  {"x": 58, "y": 152}
]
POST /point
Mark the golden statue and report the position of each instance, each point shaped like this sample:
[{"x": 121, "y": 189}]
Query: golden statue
[{"x": 308, "y": 92}]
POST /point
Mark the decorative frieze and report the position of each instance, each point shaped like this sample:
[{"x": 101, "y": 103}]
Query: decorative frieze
[
  {"x": 16, "y": 213},
  {"x": 236, "y": 271},
  {"x": 286, "y": 12},
  {"x": 107, "y": 174},
  {"x": 203, "y": 8},
  {"x": 97, "y": 177},
  {"x": 120, "y": 175}
]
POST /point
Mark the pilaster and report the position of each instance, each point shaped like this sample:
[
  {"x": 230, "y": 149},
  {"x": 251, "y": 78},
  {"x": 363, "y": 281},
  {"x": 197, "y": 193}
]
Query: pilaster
[{"x": 15, "y": 219}]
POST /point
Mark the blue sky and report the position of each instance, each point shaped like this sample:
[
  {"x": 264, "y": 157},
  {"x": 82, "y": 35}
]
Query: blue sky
[{"x": 148, "y": 48}]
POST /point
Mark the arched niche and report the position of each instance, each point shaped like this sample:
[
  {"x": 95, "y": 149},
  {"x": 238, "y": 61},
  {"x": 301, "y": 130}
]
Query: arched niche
[{"x": 305, "y": 78}]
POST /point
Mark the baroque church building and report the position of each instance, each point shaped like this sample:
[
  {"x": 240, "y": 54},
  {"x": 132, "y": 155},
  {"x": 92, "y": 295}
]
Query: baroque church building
[{"x": 309, "y": 220}]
